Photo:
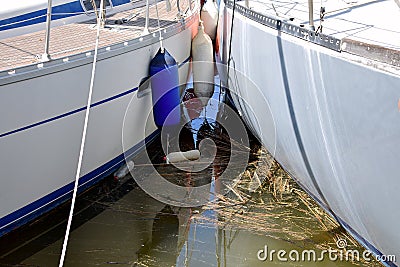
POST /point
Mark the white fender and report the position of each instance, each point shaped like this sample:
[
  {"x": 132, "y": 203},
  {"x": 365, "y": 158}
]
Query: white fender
[
  {"x": 183, "y": 156},
  {"x": 209, "y": 16},
  {"x": 203, "y": 67},
  {"x": 124, "y": 170}
]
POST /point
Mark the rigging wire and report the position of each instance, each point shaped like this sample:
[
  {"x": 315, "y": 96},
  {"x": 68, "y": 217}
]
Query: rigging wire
[
  {"x": 78, "y": 170},
  {"x": 230, "y": 41}
]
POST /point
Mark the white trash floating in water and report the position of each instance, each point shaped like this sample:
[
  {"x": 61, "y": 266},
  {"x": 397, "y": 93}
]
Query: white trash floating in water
[
  {"x": 180, "y": 156},
  {"x": 124, "y": 170},
  {"x": 209, "y": 16}
]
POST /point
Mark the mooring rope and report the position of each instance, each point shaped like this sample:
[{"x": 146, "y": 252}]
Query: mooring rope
[{"x": 78, "y": 170}]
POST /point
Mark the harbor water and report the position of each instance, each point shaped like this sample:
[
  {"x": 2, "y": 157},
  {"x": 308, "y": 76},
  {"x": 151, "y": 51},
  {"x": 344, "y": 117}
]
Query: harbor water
[{"x": 264, "y": 219}]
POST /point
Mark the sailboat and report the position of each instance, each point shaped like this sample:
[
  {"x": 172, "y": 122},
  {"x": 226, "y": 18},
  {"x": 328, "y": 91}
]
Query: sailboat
[
  {"x": 47, "y": 54},
  {"x": 318, "y": 84}
]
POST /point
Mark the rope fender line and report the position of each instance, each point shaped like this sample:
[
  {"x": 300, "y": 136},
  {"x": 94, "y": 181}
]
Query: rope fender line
[{"x": 82, "y": 147}]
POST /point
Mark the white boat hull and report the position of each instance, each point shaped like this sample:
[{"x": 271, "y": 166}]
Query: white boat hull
[
  {"x": 43, "y": 109},
  {"x": 335, "y": 123}
]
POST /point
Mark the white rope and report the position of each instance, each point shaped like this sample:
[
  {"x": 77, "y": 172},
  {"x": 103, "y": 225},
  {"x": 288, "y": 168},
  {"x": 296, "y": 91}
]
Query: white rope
[{"x": 78, "y": 170}]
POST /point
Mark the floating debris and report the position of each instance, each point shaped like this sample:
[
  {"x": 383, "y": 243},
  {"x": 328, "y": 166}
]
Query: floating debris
[{"x": 124, "y": 170}]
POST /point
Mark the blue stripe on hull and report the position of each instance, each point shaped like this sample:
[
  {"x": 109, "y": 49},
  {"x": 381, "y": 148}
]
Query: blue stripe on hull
[
  {"x": 61, "y": 195},
  {"x": 39, "y": 16},
  {"x": 68, "y": 113},
  {"x": 119, "y": 2}
]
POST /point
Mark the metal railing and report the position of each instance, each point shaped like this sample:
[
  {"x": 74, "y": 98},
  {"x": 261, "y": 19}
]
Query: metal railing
[{"x": 46, "y": 55}]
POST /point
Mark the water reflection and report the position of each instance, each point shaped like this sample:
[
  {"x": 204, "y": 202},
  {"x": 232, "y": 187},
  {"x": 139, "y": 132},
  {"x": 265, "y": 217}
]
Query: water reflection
[{"x": 137, "y": 230}]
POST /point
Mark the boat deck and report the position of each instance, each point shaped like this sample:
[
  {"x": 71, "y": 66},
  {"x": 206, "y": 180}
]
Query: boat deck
[
  {"x": 368, "y": 28},
  {"x": 70, "y": 39}
]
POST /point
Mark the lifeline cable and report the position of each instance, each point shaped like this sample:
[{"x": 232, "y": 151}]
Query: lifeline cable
[
  {"x": 78, "y": 170},
  {"x": 230, "y": 41}
]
